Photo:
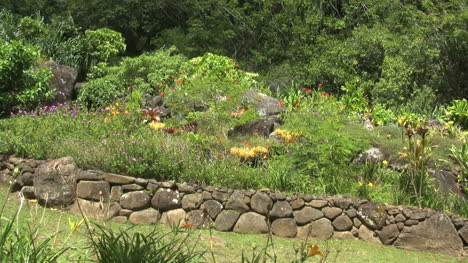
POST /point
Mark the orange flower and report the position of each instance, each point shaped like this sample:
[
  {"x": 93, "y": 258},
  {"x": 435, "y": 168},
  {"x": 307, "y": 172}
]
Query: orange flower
[
  {"x": 186, "y": 226},
  {"x": 309, "y": 91},
  {"x": 388, "y": 136},
  {"x": 255, "y": 134},
  {"x": 237, "y": 65},
  {"x": 229, "y": 97},
  {"x": 320, "y": 85},
  {"x": 373, "y": 122},
  {"x": 248, "y": 143},
  {"x": 314, "y": 250},
  {"x": 218, "y": 140},
  {"x": 228, "y": 67},
  {"x": 126, "y": 112},
  {"x": 161, "y": 93}
]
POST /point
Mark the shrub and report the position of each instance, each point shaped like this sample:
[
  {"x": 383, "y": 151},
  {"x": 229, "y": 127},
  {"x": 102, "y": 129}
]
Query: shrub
[
  {"x": 102, "y": 91},
  {"x": 458, "y": 112},
  {"x": 22, "y": 83},
  {"x": 104, "y": 44}
]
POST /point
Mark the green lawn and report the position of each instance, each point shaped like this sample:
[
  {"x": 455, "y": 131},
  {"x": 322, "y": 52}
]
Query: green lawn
[{"x": 227, "y": 247}]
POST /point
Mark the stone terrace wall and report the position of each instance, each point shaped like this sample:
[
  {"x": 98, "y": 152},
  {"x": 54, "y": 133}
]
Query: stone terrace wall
[{"x": 125, "y": 199}]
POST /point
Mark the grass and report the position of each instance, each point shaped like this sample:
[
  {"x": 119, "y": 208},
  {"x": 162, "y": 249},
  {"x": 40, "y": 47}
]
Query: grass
[{"x": 227, "y": 247}]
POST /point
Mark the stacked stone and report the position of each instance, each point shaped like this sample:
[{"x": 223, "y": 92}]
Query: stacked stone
[{"x": 124, "y": 199}]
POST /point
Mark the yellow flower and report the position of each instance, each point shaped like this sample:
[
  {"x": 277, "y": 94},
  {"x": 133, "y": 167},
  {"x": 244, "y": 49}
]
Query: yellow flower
[
  {"x": 384, "y": 162},
  {"x": 370, "y": 184},
  {"x": 157, "y": 125},
  {"x": 360, "y": 183}
]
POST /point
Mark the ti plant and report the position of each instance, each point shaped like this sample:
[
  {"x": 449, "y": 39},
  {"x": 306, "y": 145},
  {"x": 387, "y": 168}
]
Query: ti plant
[{"x": 460, "y": 157}]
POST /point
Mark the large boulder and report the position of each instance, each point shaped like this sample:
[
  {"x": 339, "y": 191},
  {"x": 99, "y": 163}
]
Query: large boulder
[
  {"x": 265, "y": 105},
  {"x": 236, "y": 202},
  {"x": 62, "y": 82},
  {"x": 435, "y": 234},
  {"x": 199, "y": 219},
  {"x": 252, "y": 223},
  {"x": 373, "y": 215},
  {"x": 166, "y": 199},
  {"x": 284, "y": 227},
  {"x": 321, "y": 229},
  {"x": 137, "y": 200},
  {"x": 226, "y": 220},
  {"x": 263, "y": 127},
  {"x": 306, "y": 215},
  {"x": 55, "y": 182},
  {"x": 261, "y": 203},
  {"x": 144, "y": 217},
  {"x": 173, "y": 218}
]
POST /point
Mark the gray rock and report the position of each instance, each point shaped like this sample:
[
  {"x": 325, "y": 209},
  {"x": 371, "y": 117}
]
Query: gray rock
[
  {"x": 388, "y": 234},
  {"x": 368, "y": 235},
  {"x": 166, "y": 199},
  {"x": 321, "y": 229},
  {"x": 191, "y": 201},
  {"x": 281, "y": 209},
  {"x": 226, "y": 220},
  {"x": 435, "y": 234},
  {"x": 306, "y": 215},
  {"x": 262, "y": 127},
  {"x": 93, "y": 190},
  {"x": 115, "y": 193},
  {"x": 185, "y": 188},
  {"x": 297, "y": 204},
  {"x": 144, "y": 217},
  {"x": 400, "y": 218},
  {"x": 135, "y": 200},
  {"x": 220, "y": 196},
  {"x": 284, "y": 227},
  {"x": 331, "y": 212},
  {"x": 199, "y": 219},
  {"x": 168, "y": 184},
  {"x": 118, "y": 179},
  {"x": 352, "y": 213},
  {"x": 55, "y": 182},
  {"x": 261, "y": 203},
  {"x": 125, "y": 212},
  {"x": 374, "y": 155},
  {"x": 419, "y": 215},
  {"x": 236, "y": 202},
  {"x": 266, "y": 105},
  {"x": 28, "y": 192},
  {"x": 174, "y": 218},
  {"x": 132, "y": 187},
  {"x": 89, "y": 175},
  {"x": 318, "y": 203},
  {"x": 463, "y": 232},
  {"x": 26, "y": 179},
  {"x": 142, "y": 182},
  {"x": 343, "y": 203},
  {"x": 96, "y": 210},
  {"x": 62, "y": 82},
  {"x": 152, "y": 187},
  {"x": 342, "y": 223},
  {"x": 373, "y": 215},
  {"x": 356, "y": 222},
  {"x": 213, "y": 208},
  {"x": 411, "y": 222},
  {"x": 252, "y": 223}
]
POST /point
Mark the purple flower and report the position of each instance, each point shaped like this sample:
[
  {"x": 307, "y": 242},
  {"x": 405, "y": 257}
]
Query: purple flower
[{"x": 134, "y": 159}]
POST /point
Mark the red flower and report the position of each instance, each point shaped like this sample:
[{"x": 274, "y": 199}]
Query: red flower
[
  {"x": 309, "y": 91},
  {"x": 373, "y": 122},
  {"x": 320, "y": 85},
  {"x": 248, "y": 143}
]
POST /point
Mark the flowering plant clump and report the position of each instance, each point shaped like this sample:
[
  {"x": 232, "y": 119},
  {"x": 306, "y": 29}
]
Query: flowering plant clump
[
  {"x": 287, "y": 136},
  {"x": 157, "y": 125},
  {"x": 250, "y": 154}
]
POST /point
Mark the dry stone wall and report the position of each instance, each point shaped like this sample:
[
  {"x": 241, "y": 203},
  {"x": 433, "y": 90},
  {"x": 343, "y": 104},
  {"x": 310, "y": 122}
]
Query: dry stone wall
[{"x": 126, "y": 199}]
